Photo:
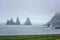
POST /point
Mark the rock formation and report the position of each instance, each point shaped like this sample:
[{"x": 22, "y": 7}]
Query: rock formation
[
  {"x": 55, "y": 21},
  {"x": 11, "y": 22},
  {"x": 28, "y": 22},
  {"x": 17, "y": 21}
]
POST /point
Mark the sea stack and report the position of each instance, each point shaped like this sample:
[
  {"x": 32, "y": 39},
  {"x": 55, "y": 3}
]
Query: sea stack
[
  {"x": 28, "y": 22},
  {"x": 55, "y": 21},
  {"x": 11, "y": 22},
  {"x": 17, "y": 21}
]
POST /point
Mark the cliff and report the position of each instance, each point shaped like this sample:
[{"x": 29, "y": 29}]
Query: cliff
[{"x": 55, "y": 21}]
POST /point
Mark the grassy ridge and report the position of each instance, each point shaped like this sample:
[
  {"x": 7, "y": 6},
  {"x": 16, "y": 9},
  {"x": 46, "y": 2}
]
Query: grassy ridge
[{"x": 32, "y": 37}]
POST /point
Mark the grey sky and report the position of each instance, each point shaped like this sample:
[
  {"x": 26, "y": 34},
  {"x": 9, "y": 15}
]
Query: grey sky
[{"x": 38, "y": 11}]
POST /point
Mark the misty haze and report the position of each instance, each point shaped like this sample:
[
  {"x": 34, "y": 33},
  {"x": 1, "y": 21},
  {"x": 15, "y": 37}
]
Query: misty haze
[{"x": 26, "y": 17}]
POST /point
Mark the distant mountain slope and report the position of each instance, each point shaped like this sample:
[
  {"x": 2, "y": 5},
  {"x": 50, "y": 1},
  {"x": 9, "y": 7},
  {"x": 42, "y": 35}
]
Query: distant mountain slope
[{"x": 55, "y": 20}]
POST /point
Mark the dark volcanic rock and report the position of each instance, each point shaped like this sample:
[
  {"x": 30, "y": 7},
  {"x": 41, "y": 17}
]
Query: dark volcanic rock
[
  {"x": 57, "y": 27},
  {"x": 55, "y": 21},
  {"x": 11, "y": 22},
  {"x": 28, "y": 22},
  {"x": 17, "y": 21}
]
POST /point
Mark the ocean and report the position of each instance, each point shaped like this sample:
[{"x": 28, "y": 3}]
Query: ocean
[{"x": 26, "y": 30}]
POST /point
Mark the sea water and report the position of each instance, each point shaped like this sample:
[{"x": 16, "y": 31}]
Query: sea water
[{"x": 27, "y": 30}]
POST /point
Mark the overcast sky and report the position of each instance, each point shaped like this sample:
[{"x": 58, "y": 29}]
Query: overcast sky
[{"x": 39, "y": 11}]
